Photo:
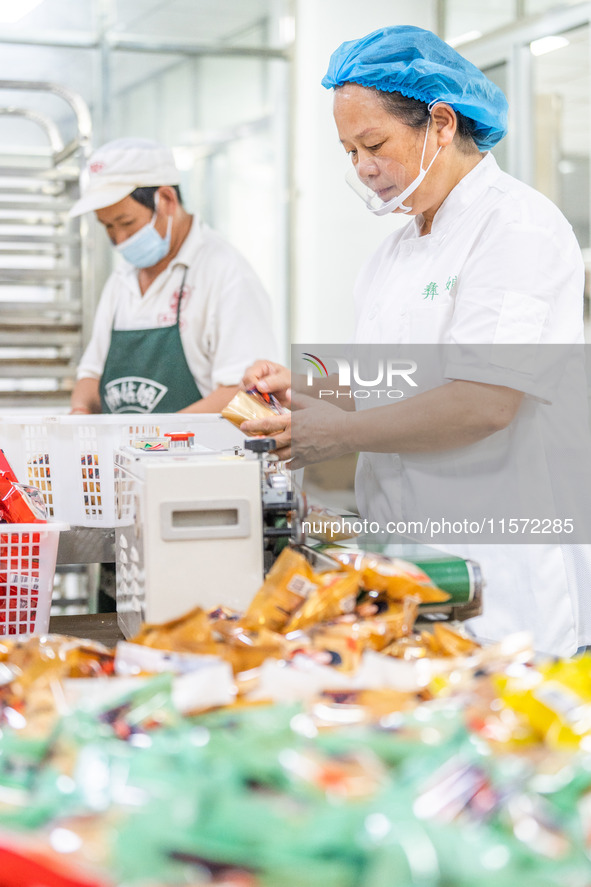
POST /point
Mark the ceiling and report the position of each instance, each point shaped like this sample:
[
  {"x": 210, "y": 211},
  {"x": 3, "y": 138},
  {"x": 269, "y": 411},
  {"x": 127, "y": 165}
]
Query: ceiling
[
  {"x": 200, "y": 22},
  {"x": 564, "y": 72},
  {"x": 204, "y": 21}
]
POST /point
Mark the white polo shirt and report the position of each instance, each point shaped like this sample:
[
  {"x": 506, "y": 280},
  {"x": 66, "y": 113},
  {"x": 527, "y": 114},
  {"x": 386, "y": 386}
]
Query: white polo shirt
[
  {"x": 225, "y": 321},
  {"x": 501, "y": 266}
]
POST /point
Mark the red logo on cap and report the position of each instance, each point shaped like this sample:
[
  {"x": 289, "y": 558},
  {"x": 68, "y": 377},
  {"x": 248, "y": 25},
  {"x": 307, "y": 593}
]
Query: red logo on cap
[{"x": 96, "y": 166}]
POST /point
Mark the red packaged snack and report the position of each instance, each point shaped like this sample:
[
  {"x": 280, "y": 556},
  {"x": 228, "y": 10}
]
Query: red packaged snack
[
  {"x": 6, "y": 469},
  {"x": 19, "y": 503}
]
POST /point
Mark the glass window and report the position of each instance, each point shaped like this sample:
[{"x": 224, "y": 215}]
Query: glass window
[
  {"x": 561, "y": 127},
  {"x": 498, "y": 75},
  {"x": 537, "y": 7},
  {"x": 466, "y": 20}
]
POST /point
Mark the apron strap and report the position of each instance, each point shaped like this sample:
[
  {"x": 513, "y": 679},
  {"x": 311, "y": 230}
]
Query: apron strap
[{"x": 181, "y": 293}]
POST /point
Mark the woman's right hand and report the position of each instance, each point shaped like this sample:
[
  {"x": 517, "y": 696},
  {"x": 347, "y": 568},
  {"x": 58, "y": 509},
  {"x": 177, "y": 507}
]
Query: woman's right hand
[{"x": 270, "y": 378}]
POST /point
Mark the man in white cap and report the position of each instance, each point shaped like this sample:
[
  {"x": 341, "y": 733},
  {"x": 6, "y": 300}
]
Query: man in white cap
[{"x": 178, "y": 323}]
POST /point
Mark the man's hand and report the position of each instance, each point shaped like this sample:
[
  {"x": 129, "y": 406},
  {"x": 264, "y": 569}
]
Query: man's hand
[{"x": 86, "y": 398}]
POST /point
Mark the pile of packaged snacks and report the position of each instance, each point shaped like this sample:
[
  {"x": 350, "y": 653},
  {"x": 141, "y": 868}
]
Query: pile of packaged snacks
[
  {"x": 137, "y": 795},
  {"x": 465, "y": 765}
]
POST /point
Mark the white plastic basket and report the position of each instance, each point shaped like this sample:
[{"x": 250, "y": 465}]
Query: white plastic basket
[
  {"x": 70, "y": 458},
  {"x": 28, "y": 554}
]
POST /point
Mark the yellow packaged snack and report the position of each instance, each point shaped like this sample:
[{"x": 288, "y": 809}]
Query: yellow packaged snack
[
  {"x": 334, "y": 595},
  {"x": 287, "y": 585},
  {"x": 555, "y": 701},
  {"x": 397, "y": 577},
  {"x": 391, "y": 623},
  {"x": 327, "y": 525},
  {"x": 245, "y": 650},
  {"x": 444, "y": 641},
  {"x": 251, "y": 404},
  {"x": 337, "y": 644},
  {"x": 190, "y": 633},
  {"x": 363, "y": 706}
]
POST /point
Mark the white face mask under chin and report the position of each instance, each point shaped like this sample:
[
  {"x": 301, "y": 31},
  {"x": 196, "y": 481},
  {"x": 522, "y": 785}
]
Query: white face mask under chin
[{"x": 379, "y": 207}]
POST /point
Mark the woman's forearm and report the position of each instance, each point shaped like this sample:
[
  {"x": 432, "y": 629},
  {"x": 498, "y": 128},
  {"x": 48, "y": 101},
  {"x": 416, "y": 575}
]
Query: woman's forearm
[{"x": 453, "y": 415}]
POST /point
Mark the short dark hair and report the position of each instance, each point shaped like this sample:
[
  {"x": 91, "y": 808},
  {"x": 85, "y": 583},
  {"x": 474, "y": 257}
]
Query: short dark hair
[
  {"x": 145, "y": 196},
  {"x": 415, "y": 113}
]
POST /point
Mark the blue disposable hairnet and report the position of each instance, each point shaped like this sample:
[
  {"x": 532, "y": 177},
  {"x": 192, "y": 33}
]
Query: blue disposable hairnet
[{"x": 419, "y": 65}]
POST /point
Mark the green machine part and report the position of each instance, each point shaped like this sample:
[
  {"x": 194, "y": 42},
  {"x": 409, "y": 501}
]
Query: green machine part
[{"x": 451, "y": 574}]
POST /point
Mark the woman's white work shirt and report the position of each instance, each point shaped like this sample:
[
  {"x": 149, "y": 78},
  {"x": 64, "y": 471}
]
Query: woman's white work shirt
[
  {"x": 225, "y": 321},
  {"x": 500, "y": 266}
]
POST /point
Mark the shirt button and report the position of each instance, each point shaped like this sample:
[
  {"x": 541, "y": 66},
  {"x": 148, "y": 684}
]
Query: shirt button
[
  {"x": 403, "y": 313},
  {"x": 373, "y": 313}
]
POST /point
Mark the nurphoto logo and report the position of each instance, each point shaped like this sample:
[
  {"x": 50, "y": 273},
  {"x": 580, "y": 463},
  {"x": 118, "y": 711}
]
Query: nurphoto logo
[{"x": 357, "y": 379}]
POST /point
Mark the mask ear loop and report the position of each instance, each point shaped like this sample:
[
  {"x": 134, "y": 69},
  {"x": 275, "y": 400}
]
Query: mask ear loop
[
  {"x": 422, "y": 171},
  {"x": 153, "y": 222},
  {"x": 430, "y": 107}
]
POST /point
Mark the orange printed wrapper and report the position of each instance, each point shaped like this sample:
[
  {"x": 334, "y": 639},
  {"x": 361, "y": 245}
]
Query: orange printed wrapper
[
  {"x": 335, "y": 595},
  {"x": 397, "y": 577},
  {"x": 289, "y": 581}
]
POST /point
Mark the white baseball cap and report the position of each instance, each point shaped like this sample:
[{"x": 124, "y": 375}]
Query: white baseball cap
[{"x": 121, "y": 166}]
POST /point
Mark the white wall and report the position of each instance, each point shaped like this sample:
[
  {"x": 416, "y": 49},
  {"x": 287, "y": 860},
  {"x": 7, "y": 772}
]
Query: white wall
[{"x": 333, "y": 233}]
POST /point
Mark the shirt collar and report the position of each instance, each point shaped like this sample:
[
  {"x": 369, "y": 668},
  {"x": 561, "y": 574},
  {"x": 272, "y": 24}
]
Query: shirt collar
[
  {"x": 463, "y": 195},
  {"x": 193, "y": 239}
]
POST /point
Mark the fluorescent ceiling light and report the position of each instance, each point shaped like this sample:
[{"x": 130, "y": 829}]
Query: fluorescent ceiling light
[
  {"x": 464, "y": 38},
  {"x": 11, "y": 11},
  {"x": 547, "y": 44},
  {"x": 287, "y": 29},
  {"x": 566, "y": 167}
]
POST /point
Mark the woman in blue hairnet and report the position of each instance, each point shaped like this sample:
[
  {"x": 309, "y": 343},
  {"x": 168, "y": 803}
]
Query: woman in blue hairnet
[{"x": 484, "y": 260}]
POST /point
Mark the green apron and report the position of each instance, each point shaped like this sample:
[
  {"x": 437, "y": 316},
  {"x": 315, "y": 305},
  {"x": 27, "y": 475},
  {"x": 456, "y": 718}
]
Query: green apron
[{"x": 146, "y": 371}]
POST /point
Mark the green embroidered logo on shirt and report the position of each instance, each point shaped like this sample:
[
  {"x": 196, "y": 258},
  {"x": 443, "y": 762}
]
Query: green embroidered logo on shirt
[{"x": 432, "y": 289}]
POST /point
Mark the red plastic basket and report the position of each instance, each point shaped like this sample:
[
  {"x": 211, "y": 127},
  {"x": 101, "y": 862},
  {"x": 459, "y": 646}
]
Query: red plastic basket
[{"x": 28, "y": 554}]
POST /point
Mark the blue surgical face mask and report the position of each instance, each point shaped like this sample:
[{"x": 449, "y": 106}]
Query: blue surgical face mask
[{"x": 146, "y": 247}]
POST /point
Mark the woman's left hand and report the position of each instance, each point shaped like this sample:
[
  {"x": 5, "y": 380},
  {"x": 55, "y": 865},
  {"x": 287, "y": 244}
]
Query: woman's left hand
[{"x": 313, "y": 432}]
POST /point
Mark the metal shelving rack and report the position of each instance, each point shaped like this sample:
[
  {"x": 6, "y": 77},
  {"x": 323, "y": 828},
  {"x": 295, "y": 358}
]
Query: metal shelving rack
[{"x": 46, "y": 286}]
